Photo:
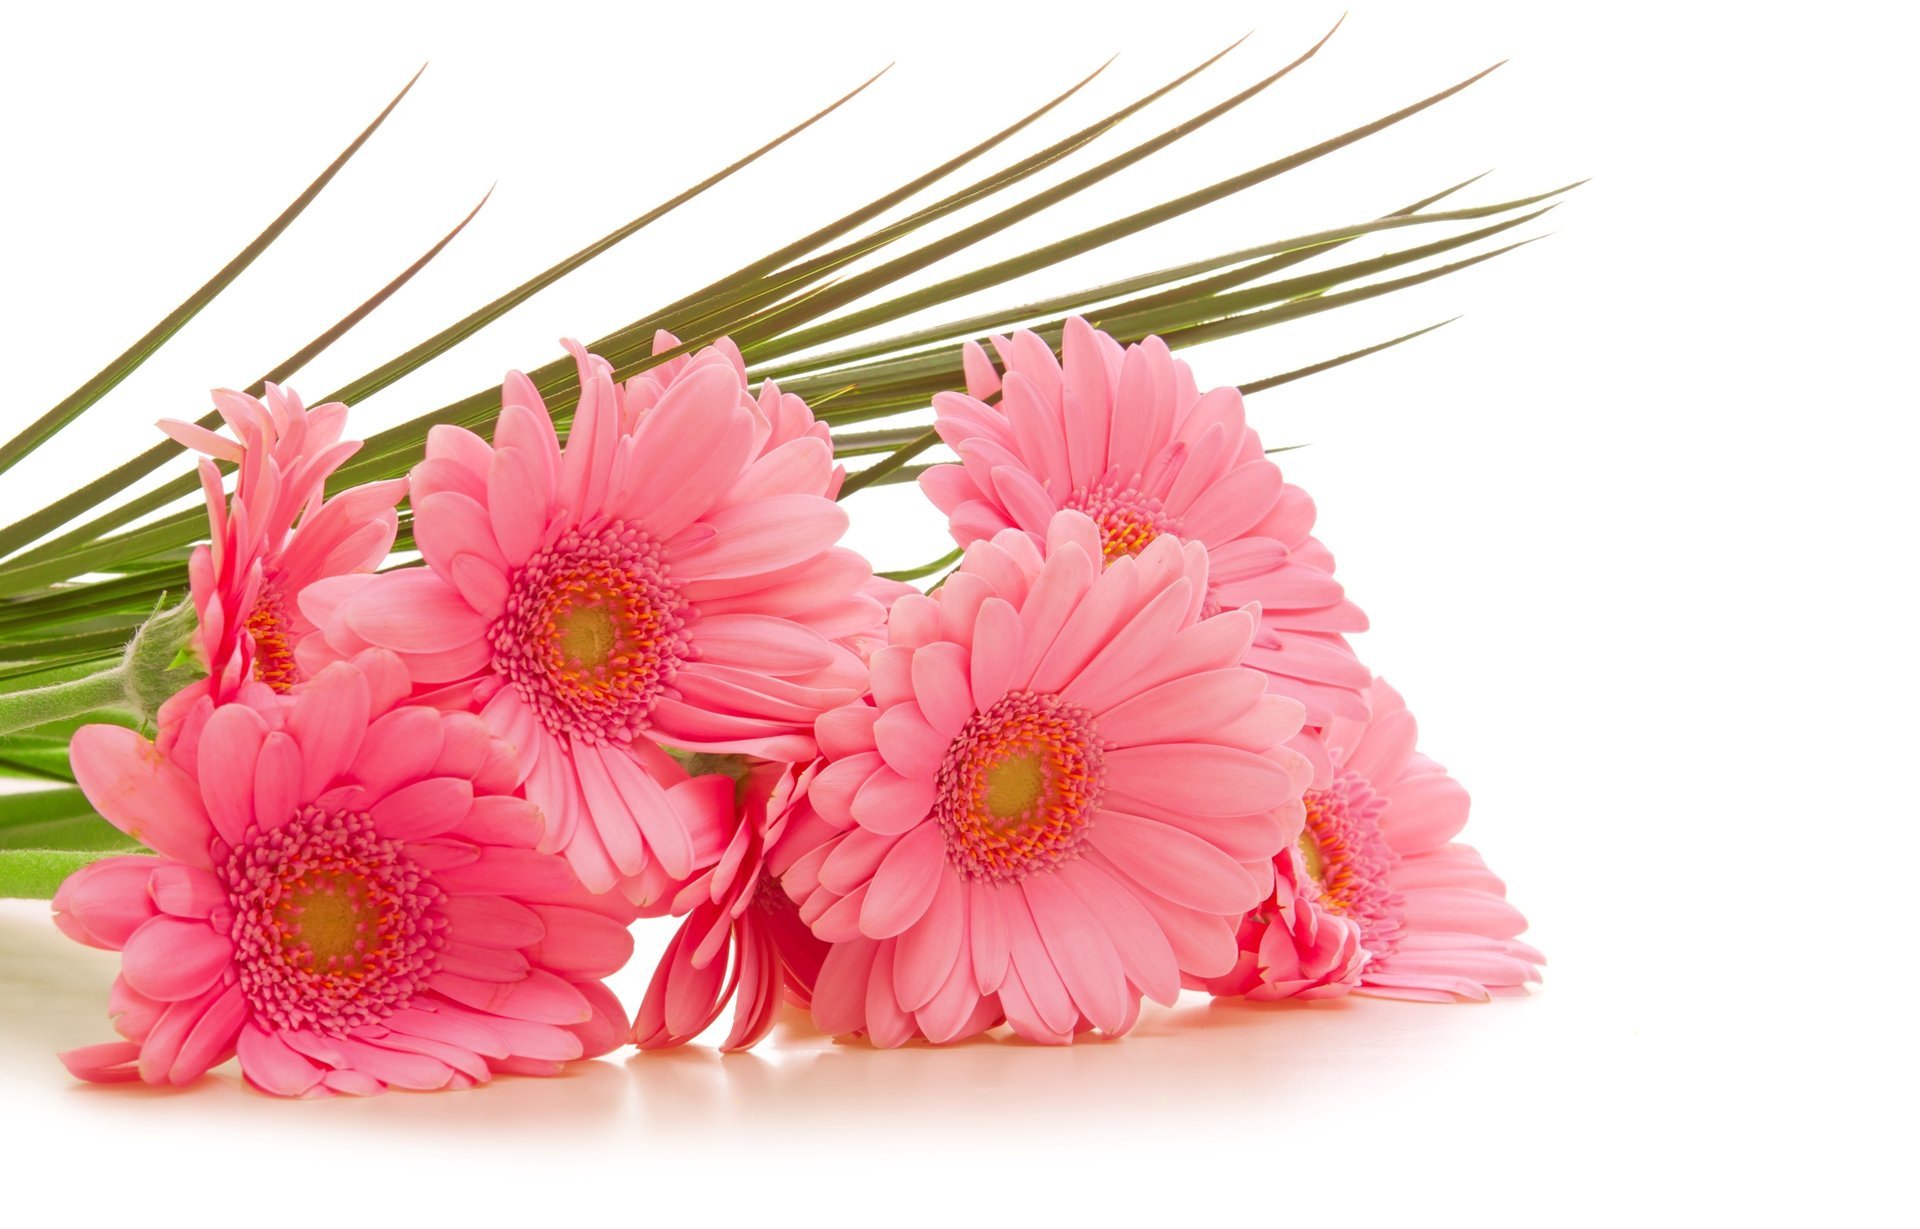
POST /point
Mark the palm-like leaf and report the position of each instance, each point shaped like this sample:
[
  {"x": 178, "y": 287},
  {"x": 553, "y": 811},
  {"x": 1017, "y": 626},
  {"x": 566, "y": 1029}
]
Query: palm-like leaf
[{"x": 67, "y": 601}]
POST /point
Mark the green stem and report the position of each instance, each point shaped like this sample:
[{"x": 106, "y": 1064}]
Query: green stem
[{"x": 23, "y": 710}]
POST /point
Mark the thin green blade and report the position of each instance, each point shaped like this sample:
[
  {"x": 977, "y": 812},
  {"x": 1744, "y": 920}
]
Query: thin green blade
[{"x": 43, "y": 428}]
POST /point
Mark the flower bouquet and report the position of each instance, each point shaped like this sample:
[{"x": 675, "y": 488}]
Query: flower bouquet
[{"x": 368, "y": 756}]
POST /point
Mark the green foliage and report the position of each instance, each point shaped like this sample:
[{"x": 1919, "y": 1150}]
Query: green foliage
[{"x": 77, "y": 576}]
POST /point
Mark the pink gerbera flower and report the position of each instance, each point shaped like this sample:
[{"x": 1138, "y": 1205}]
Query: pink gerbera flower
[
  {"x": 670, "y": 578},
  {"x": 344, "y": 893},
  {"x": 1125, "y": 436},
  {"x": 738, "y": 907},
  {"x": 1065, "y": 794},
  {"x": 246, "y": 583},
  {"x": 1375, "y": 896}
]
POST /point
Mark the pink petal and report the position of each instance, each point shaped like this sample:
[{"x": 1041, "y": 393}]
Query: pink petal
[
  {"x": 889, "y": 804},
  {"x": 519, "y": 503},
  {"x": 447, "y": 524},
  {"x": 580, "y": 945},
  {"x": 765, "y": 536},
  {"x": 998, "y": 646},
  {"x": 170, "y": 959},
  {"x": 1186, "y": 709},
  {"x": 328, "y": 720},
  {"x": 987, "y": 934},
  {"x": 400, "y": 748},
  {"x": 104, "y": 902},
  {"x": 141, "y": 794},
  {"x": 413, "y": 610},
  {"x": 211, "y": 1040},
  {"x": 941, "y": 687},
  {"x": 492, "y": 921},
  {"x": 907, "y": 742},
  {"x": 1174, "y": 863},
  {"x": 110, "y": 1062},
  {"x": 761, "y": 642},
  {"x": 276, "y": 781},
  {"x": 424, "y": 809},
  {"x": 542, "y": 998},
  {"x": 1199, "y": 777},
  {"x": 903, "y": 886},
  {"x": 929, "y": 948},
  {"x": 272, "y": 1066},
  {"x": 840, "y": 995},
  {"x": 1141, "y": 945},
  {"x": 854, "y": 859},
  {"x": 510, "y": 872},
  {"x": 1034, "y": 967},
  {"x": 1234, "y": 504},
  {"x": 229, "y": 747},
  {"x": 185, "y": 891},
  {"x": 1082, "y": 954}
]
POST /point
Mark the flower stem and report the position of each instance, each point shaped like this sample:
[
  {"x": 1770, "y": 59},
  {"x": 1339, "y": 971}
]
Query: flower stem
[{"x": 22, "y": 710}]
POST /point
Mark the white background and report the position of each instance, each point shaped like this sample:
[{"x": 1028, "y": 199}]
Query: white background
[{"x": 1636, "y": 538}]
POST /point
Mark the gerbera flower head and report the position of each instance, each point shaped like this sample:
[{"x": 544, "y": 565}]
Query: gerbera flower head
[
  {"x": 743, "y": 940},
  {"x": 344, "y": 892},
  {"x": 1124, "y": 435},
  {"x": 668, "y": 578},
  {"x": 278, "y": 533},
  {"x": 1064, "y": 795},
  {"x": 1376, "y": 896}
]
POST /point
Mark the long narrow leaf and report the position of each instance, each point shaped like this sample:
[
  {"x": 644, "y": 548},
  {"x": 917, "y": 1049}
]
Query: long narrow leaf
[
  {"x": 36, "y": 874},
  {"x": 75, "y": 403},
  {"x": 1053, "y": 253},
  {"x": 857, "y": 287},
  {"x": 1300, "y": 373},
  {"x": 100, "y": 489},
  {"x": 391, "y": 371},
  {"x": 1000, "y": 320},
  {"x": 1246, "y": 264},
  {"x": 452, "y": 335}
]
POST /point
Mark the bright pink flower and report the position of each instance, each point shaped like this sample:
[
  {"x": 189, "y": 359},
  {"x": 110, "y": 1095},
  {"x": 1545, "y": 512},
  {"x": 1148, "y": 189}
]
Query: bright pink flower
[
  {"x": 1375, "y": 897},
  {"x": 345, "y": 894},
  {"x": 1066, "y": 792},
  {"x": 668, "y": 579},
  {"x": 247, "y": 581},
  {"x": 1126, "y": 436},
  {"x": 738, "y": 905}
]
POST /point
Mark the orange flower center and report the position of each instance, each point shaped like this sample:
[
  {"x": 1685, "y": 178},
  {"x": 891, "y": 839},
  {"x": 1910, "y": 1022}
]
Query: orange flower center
[
  {"x": 334, "y": 926},
  {"x": 268, "y": 627},
  {"x": 593, "y": 633},
  {"x": 1129, "y": 520},
  {"x": 1346, "y": 856},
  {"x": 1019, "y": 786}
]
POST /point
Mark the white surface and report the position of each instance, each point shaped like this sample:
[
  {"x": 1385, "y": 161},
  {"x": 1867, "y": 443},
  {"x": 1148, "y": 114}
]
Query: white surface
[{"x": 1635, "y": 537}]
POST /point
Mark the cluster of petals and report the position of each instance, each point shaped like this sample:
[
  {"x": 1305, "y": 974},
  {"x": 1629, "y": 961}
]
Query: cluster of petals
[
  {"x": 1124, "y": 435},
  {"x": 669, "y": 577},
  {"x": 400, "y": 831},
  {"x": 277, "y": 533},
  {"x": 1377, "y": 897},
  {"x": 742, "y": 940},
  {"x": 344, "y": 892},
  {"x": 1063, "y": 795}
]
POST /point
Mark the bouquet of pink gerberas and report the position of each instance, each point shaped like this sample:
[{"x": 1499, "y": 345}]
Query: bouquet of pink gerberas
[{"x": 442, "y": 716}]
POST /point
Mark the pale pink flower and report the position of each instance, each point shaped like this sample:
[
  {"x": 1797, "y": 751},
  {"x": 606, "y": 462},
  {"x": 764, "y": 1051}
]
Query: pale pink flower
[
  {"x": 1126, "y": 436},
  {"x": 344, "y": 893},
  {"x": 670, "y": 578},
  {"x": 1376, "y": 897},
  {"x": 743, "y": 940},
  {"x": 1065, "y": 794},
  {"x": 278, "y": 534}
]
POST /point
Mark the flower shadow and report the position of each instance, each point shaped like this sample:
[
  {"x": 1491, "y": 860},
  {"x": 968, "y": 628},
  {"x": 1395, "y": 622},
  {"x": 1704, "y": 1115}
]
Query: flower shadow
[
  {"x": 1185, "y": 1063},
  {"x": 1190, "y": 1067}
]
